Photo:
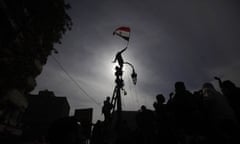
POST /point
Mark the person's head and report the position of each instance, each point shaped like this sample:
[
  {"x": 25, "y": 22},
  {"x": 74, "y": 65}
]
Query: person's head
[
  {"x": 108, "y": 98},
  {"x": 143, "y": 108},
  {"x": 180, "y": 86},
  {"x": 228, "y": 84},
  {"x": 228, "y": 87},
  {"x": 208, "y": 89},
  {"x": 160, "y": 98},
  {"x": 208, "y": 86}
]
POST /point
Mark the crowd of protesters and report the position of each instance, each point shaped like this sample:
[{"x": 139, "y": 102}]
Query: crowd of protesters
[
  {"x": 201, "y": 117},
  {"x": 205, "y": 116}
]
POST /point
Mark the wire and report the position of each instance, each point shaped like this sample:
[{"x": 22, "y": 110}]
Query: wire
[
  {"x": 130, "y": 89},
  {"x": 74, "y": 81},
  {"x": 133, "y": 90}
]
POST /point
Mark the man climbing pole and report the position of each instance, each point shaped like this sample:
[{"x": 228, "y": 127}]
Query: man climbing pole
[
  {"x": 106, "y": 109},
  {"x": 119, "y": 58}
]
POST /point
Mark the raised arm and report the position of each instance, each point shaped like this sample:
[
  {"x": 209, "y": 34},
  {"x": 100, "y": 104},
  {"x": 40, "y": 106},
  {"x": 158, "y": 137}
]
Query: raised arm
[
  {"x": 123, "y": 50},
  {"x": 219, "y": 81}
]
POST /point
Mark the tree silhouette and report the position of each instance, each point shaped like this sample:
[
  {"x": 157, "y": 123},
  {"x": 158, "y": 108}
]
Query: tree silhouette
[{"x": 29, "y": 31}]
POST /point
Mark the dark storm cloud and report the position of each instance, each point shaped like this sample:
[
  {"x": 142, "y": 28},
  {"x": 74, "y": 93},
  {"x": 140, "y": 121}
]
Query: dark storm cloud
[{"x": 189, "y": 40}]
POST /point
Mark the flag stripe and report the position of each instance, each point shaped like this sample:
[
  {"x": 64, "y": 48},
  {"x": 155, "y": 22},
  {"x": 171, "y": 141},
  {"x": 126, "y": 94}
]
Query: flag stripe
[
  {"x": 127, "y": 29},
  {"x": 124, "y": 37},
  {"x": 123, "y": 32}
]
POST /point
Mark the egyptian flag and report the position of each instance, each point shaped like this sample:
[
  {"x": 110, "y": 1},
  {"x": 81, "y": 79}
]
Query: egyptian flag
[{"x": 123, "y": 32}]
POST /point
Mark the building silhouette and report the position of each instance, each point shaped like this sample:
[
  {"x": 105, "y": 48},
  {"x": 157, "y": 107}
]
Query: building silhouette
[{"x": 44, "y": 108}]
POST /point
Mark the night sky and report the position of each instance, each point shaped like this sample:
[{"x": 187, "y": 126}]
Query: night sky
[{"x": 171, "y": 40}]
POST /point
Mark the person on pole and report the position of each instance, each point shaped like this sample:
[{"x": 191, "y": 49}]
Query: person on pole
[
  {"x": 106, "y": 110},
  {"x": 119, "y": 58}
]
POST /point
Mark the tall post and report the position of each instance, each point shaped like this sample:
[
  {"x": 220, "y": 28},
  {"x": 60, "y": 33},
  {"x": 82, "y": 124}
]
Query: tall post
[
  {"x": 116, "y": 99},
  {"x": 119, "y": 104},
  {"x": 119, "y": 86}
]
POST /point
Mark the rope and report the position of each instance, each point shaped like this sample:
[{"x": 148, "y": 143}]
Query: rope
[{"x": 74, "y": 81}]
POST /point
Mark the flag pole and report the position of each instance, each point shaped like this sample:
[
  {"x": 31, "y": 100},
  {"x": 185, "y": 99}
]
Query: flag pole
[
  {"x": 128, "y": 39},
  {"x": 127, "y": 44}
]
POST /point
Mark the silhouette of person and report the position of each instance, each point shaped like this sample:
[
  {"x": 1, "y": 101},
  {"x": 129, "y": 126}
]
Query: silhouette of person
[
  {"x": 232, "y": 93},
  {"x": 163, "y": 132},
  {"x": 119, "y": 58},
  {"x": 106, "y": 109},
  {"x": 183, "y": 108},
  {"x": 221, "y": 117},
  {"x": 97, "y": 133},
  {"x": 146, "y": 124},
  {"x": 160, "y": 107}
]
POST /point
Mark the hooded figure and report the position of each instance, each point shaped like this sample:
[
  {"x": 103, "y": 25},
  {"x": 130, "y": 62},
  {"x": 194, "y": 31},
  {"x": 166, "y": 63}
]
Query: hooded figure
[{"x": 220, "y": 116}]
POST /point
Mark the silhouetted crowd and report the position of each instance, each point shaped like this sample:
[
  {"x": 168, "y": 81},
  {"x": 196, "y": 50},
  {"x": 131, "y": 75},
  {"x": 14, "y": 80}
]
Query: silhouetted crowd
[
  {"x": 205, "y": 116},
  {"x": 202, "y": 117}
]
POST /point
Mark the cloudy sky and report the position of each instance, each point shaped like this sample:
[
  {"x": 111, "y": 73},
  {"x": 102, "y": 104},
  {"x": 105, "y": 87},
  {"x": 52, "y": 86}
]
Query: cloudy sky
[{"x": 173, "y": 40}]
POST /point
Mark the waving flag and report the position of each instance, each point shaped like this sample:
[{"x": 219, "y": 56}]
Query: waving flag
[{"x": 123, "y": 32}]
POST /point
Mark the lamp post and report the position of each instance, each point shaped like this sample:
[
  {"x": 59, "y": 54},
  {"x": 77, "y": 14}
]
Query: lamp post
[{"x": 116, "y": 98}]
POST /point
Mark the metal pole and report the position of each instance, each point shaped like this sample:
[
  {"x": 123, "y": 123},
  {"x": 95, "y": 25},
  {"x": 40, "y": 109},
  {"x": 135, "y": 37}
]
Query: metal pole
[{"x": 119, "y": 102}]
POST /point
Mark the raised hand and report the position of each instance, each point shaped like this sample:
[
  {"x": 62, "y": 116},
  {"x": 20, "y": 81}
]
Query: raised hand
[{"x": 217, "y": 78}]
